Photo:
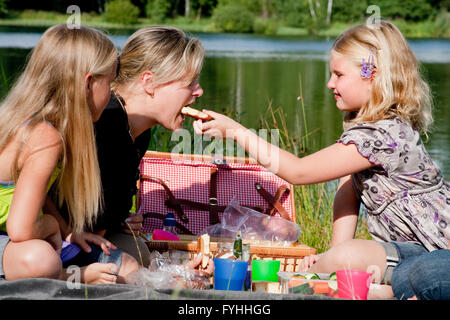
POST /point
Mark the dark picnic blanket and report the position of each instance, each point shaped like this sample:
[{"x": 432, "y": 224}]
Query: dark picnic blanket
[{"x": 48, "y": 289}]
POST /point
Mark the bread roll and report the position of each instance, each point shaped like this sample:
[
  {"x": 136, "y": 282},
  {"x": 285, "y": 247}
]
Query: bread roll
[{"x": 203, "y": 247}]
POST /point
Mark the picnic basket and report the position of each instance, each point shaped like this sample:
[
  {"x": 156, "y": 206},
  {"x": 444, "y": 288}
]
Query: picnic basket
[
  {"x": 290, "y": 256},
  {"x": 198, "y": 188}
]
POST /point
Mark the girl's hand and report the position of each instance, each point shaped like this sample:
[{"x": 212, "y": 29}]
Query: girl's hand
[
  {"x": 194, "y": 263},
  {"x": 83, "y": 239},
  {"x": 220, "y": 127},
  {"x": 308, "y": 261},
  {"x": 133, "y": 223}
]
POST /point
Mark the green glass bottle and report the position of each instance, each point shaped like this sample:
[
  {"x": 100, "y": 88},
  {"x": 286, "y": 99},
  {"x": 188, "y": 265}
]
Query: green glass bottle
[{"x": 237, "y": 246}]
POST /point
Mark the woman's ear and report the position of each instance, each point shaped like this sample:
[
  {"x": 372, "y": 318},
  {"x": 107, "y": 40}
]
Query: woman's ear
[
  {"x": 88, "y": 81},
  {"x": 147, "y": 82}
]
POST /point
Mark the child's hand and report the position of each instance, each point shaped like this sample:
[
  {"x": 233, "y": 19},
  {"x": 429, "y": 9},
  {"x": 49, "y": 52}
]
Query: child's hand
[
  {"x": 83, "y": 239},
  {"x": 194, "y": 263},
  {"x": 99, "y": 273},
  {"x": 220, "y": 127},
  {"x": 308, "y": 261}
]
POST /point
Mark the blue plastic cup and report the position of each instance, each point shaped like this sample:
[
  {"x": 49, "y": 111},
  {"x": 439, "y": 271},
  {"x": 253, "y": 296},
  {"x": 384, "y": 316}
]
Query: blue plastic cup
[{"x": 229, "y": 274}]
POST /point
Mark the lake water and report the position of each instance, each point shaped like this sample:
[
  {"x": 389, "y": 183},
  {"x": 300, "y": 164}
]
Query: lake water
[{"x": 247, "y": 73}]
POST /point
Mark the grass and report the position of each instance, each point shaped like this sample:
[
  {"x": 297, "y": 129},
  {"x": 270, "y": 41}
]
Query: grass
[
  {"x": 4, "y": 80},
  {"x": 438, "y": 27},
  {"x": 45, "y": 19}
]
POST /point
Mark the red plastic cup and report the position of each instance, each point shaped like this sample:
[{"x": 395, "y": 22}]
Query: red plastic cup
[
  {"x": 164, "y": 235},
  {"x": 353, "y": 284}
]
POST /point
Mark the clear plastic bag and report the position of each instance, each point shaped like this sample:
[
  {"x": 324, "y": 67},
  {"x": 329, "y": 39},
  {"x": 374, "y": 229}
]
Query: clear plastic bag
[
  {"x": 167, "y": 271},
  {"x": 254, "y": 225}
]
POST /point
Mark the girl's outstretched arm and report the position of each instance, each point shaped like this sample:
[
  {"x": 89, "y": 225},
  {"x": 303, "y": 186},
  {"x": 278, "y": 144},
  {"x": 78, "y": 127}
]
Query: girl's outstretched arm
[{"x": 330, "y": 163}]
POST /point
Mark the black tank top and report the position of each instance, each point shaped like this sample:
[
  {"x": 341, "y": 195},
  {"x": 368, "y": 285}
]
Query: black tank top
[{"x": 119, "y": 158}]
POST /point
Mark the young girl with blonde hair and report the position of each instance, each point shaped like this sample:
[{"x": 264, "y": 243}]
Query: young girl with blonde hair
[
  {"x": 380, "y": 158},
  {"x": 157, "y": 77},
  {"x": 46, "y": 137}
]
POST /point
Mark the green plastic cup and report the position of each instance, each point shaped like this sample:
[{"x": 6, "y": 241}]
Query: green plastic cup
[{"x": 265, "y": 270}]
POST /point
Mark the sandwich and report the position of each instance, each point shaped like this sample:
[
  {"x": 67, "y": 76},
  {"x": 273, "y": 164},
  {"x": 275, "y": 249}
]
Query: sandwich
[{"x": 194, "y": 113}]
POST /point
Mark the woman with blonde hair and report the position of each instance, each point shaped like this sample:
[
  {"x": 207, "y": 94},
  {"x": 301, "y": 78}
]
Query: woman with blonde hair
[
  {"x": 157, "y": 77},
  {"x": 47, "y": 137},
  {"x": 380, "y": 158}
]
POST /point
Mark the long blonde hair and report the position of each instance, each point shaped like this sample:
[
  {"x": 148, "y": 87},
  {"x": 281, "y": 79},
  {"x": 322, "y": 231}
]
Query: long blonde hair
[
  {"x": 398, "y": 89},
  {"x": 52, "y": 88},
  {"x": 165, "y": 51}
]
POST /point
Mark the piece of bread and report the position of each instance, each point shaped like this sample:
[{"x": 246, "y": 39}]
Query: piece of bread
[
  {"x": 203, "y": 247},
  {"x": 226, "y": 255},
  {"x": 194, "y": 113}
]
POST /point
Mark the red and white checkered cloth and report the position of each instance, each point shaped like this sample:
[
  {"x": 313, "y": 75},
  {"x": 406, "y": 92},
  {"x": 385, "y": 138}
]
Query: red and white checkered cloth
[{"x": 190, "y": 180}]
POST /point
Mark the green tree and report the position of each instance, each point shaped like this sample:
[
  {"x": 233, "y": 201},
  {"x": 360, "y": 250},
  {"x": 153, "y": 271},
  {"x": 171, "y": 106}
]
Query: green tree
[
  {"x": 158, "y": 10},
  {"x": 444, "y": 4},
  {"x": 233, "y": 18},
  {"x": 349, "y": 10},
  {"x": 293, "y": 13},
  {"x": 203, "y": 7},
  {"x": 415, "y": 10},
  {"x": 121, "y": 11},
  {"x": 3, "y": 8},
  {"x": 263, "y": 8}
]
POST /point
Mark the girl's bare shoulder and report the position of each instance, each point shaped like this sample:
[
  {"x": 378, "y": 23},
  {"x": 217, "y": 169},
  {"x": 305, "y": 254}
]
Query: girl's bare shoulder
[{"x": 41, "y": 137}]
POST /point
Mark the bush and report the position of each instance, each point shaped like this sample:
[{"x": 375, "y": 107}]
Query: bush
[
  {"x": 121, "y": 11},
  {"x": 30, "y": 14},
  {"x": 233, "y": 18},
  {"x": 157, "y": 10},
  {"x": 350, "y": 11},
  {"x": 265, "y": 26},
  {"x": 442, "y": 25},
  {"x": 414, "y": 10},
  {"x": 297, "y": 19}
]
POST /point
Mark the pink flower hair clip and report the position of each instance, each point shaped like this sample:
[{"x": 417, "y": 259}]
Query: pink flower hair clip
[{"x": 368, "y": 66}]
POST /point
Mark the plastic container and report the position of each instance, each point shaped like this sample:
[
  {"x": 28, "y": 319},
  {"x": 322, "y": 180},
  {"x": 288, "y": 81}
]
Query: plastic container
[
  {"x": 295, "y": 282},
  {"x": 229, "y": 274},
  {"x": 265, "y": 270},
  {"x": 225, "y": 250}
]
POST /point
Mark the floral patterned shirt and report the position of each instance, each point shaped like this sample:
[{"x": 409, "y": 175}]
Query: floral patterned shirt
[{"x": 405, "y": 194}]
